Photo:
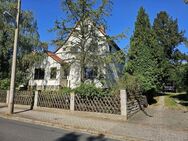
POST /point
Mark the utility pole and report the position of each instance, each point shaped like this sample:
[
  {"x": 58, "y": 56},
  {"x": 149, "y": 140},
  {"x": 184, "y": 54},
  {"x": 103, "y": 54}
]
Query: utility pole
[{"x": 13, "y": 71}]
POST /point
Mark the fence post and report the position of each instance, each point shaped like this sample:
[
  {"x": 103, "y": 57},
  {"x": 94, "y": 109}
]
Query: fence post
[
  {"x": 72, "y": 101},
  {"x": 7, "y": 97},
  {"x": 36, "y": 99},
  {"x": 123, "y": 97}
]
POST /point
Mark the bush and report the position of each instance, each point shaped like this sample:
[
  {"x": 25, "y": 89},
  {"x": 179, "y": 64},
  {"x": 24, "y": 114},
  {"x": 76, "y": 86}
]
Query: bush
[
  {"x": 61, "y": 91},
  {"x": 65, "y": 90},
  {"x": 89, "y": 90},
  {"x": 133, "y": 84},
  {"x": 130, "y": 83},
  {"x": 4, "y": 84}
]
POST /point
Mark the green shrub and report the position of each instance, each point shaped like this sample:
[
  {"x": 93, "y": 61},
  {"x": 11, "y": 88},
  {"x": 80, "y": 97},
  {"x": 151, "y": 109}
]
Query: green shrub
[
  {"x": 65, "y": 90},
  {"x": 89, "y": 90},
  {"x": 133, "y": 84},
  {"x": 4, "y": 84},
  {"x": 61, "y": 91},
  {"x": 130, "y": 83}
]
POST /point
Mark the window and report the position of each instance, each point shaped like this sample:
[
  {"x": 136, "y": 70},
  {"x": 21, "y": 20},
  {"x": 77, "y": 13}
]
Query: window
[
  {"x": 90, "y": 73},
  {"x": 39, "y": 74},
  {"x": 65, "y": 72},
  {"x": 53, "y": 73}
]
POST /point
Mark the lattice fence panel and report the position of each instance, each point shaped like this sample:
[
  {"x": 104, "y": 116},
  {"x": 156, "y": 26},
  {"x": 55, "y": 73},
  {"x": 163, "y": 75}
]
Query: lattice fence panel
[
  {"x": 102, "y": 104},
  {"x": 3, "y": 95},
  {"x": 24, "y": 97},
  {"x": 54, "y": 100}
]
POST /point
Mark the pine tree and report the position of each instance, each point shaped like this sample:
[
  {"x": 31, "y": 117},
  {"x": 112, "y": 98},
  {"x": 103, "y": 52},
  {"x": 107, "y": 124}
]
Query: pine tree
[
  {"x": 168, "y": 38},
  {"x": 142, "y": 53}
]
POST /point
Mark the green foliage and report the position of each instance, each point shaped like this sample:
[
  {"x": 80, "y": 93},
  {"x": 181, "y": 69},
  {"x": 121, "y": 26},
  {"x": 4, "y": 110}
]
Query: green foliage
[
  {"x": 129, "y": 82},
  {"x": 168, "y": 34},
  {"x": 83, "y": 19},
  {"x": 28, "y": 42},
  {"x": 65, "y": 90},
  {"x": 170, "y": 58},
  {"x": 153, "y": 55},
  {"x": 142, "y": 54},
  {"x": 4, "y": 84},
  {"x": 89, "y": 90}
]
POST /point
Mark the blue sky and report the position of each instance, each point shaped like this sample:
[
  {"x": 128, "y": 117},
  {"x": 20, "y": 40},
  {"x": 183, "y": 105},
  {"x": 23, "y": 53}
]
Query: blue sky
[{"x": 123, "y": 17}]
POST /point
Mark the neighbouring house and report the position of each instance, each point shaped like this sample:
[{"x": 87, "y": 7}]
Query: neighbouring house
[{"x": 52, "y": 73}]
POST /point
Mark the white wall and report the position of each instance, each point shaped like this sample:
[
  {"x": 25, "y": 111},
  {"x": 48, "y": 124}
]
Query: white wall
[
  {"x": 111, "y": 71},
  {"x": 47, "y": 64}
]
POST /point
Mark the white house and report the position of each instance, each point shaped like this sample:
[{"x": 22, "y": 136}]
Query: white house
[{"x": 51, "y": 73}]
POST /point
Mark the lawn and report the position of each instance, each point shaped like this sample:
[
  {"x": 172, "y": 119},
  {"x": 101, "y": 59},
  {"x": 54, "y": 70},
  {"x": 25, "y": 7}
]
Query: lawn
[{"x": 178, "y": 101}]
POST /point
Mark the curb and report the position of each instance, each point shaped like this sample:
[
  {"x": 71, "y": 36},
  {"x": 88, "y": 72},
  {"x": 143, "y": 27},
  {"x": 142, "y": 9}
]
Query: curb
[
  {"x": 104, "y": 116},
  {"x": 68, "y": 127}
]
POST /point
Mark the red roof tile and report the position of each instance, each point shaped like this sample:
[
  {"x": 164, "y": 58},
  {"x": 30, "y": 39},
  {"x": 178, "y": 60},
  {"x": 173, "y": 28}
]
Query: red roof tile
[{"x": 55, "y": 57}]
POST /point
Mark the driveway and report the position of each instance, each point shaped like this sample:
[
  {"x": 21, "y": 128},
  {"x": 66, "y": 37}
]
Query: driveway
[{"x": 163, "y": 120}]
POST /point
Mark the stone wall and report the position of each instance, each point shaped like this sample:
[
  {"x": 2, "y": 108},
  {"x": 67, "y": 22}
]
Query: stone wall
[{"x": 135, "y": 103}]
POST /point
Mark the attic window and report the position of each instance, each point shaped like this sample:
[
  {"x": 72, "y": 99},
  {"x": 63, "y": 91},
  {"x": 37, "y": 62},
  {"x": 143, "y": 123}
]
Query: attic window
[
  {"x": 39, "y": 74},
  {"x": 53, "y": 73}
]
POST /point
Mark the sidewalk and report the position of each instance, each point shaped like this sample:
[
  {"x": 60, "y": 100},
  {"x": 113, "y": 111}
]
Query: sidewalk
[{"x": 137, "y": 129}]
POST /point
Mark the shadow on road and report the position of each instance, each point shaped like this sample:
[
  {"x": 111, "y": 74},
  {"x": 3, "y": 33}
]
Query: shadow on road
[
  {"x": 76, "y": 137},
  {"x": 100, "y": 137},
  {"x": 69, "y": 137}
]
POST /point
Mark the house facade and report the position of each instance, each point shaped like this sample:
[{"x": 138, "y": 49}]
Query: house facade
[{"x": 59, "y": 70}]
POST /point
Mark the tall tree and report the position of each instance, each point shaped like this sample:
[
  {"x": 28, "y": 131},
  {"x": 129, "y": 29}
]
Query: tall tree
[
  {"x": 83, "y": 21},
  {"x": 142, "y": 54},
  {"x": 168, "y": 37},
  {"x": 28, "y": 41}
]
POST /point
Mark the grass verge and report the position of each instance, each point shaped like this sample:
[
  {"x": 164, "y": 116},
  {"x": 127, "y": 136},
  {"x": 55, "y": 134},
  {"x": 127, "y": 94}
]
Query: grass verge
[{"x": 172, "y": 98}]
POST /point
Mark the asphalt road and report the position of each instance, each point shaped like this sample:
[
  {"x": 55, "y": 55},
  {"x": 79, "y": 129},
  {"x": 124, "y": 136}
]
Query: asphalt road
[{"x": 18, "y": 131}]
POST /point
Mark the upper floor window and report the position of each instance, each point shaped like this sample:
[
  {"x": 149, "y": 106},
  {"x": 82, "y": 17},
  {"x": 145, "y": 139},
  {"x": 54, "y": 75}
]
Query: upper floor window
[
  {"x": 53, "y": 73},
  {"x": 39, "y": 74}
]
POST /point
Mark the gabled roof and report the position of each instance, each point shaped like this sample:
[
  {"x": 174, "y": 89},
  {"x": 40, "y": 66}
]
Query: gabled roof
[
  {"x": 54, "y": 56},
  {"x": 68, "y": 36},
  {"x": 112, "y": 42}
]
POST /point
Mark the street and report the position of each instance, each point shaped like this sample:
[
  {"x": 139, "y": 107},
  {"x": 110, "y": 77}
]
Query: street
[{"x": 18, "y": 131}]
